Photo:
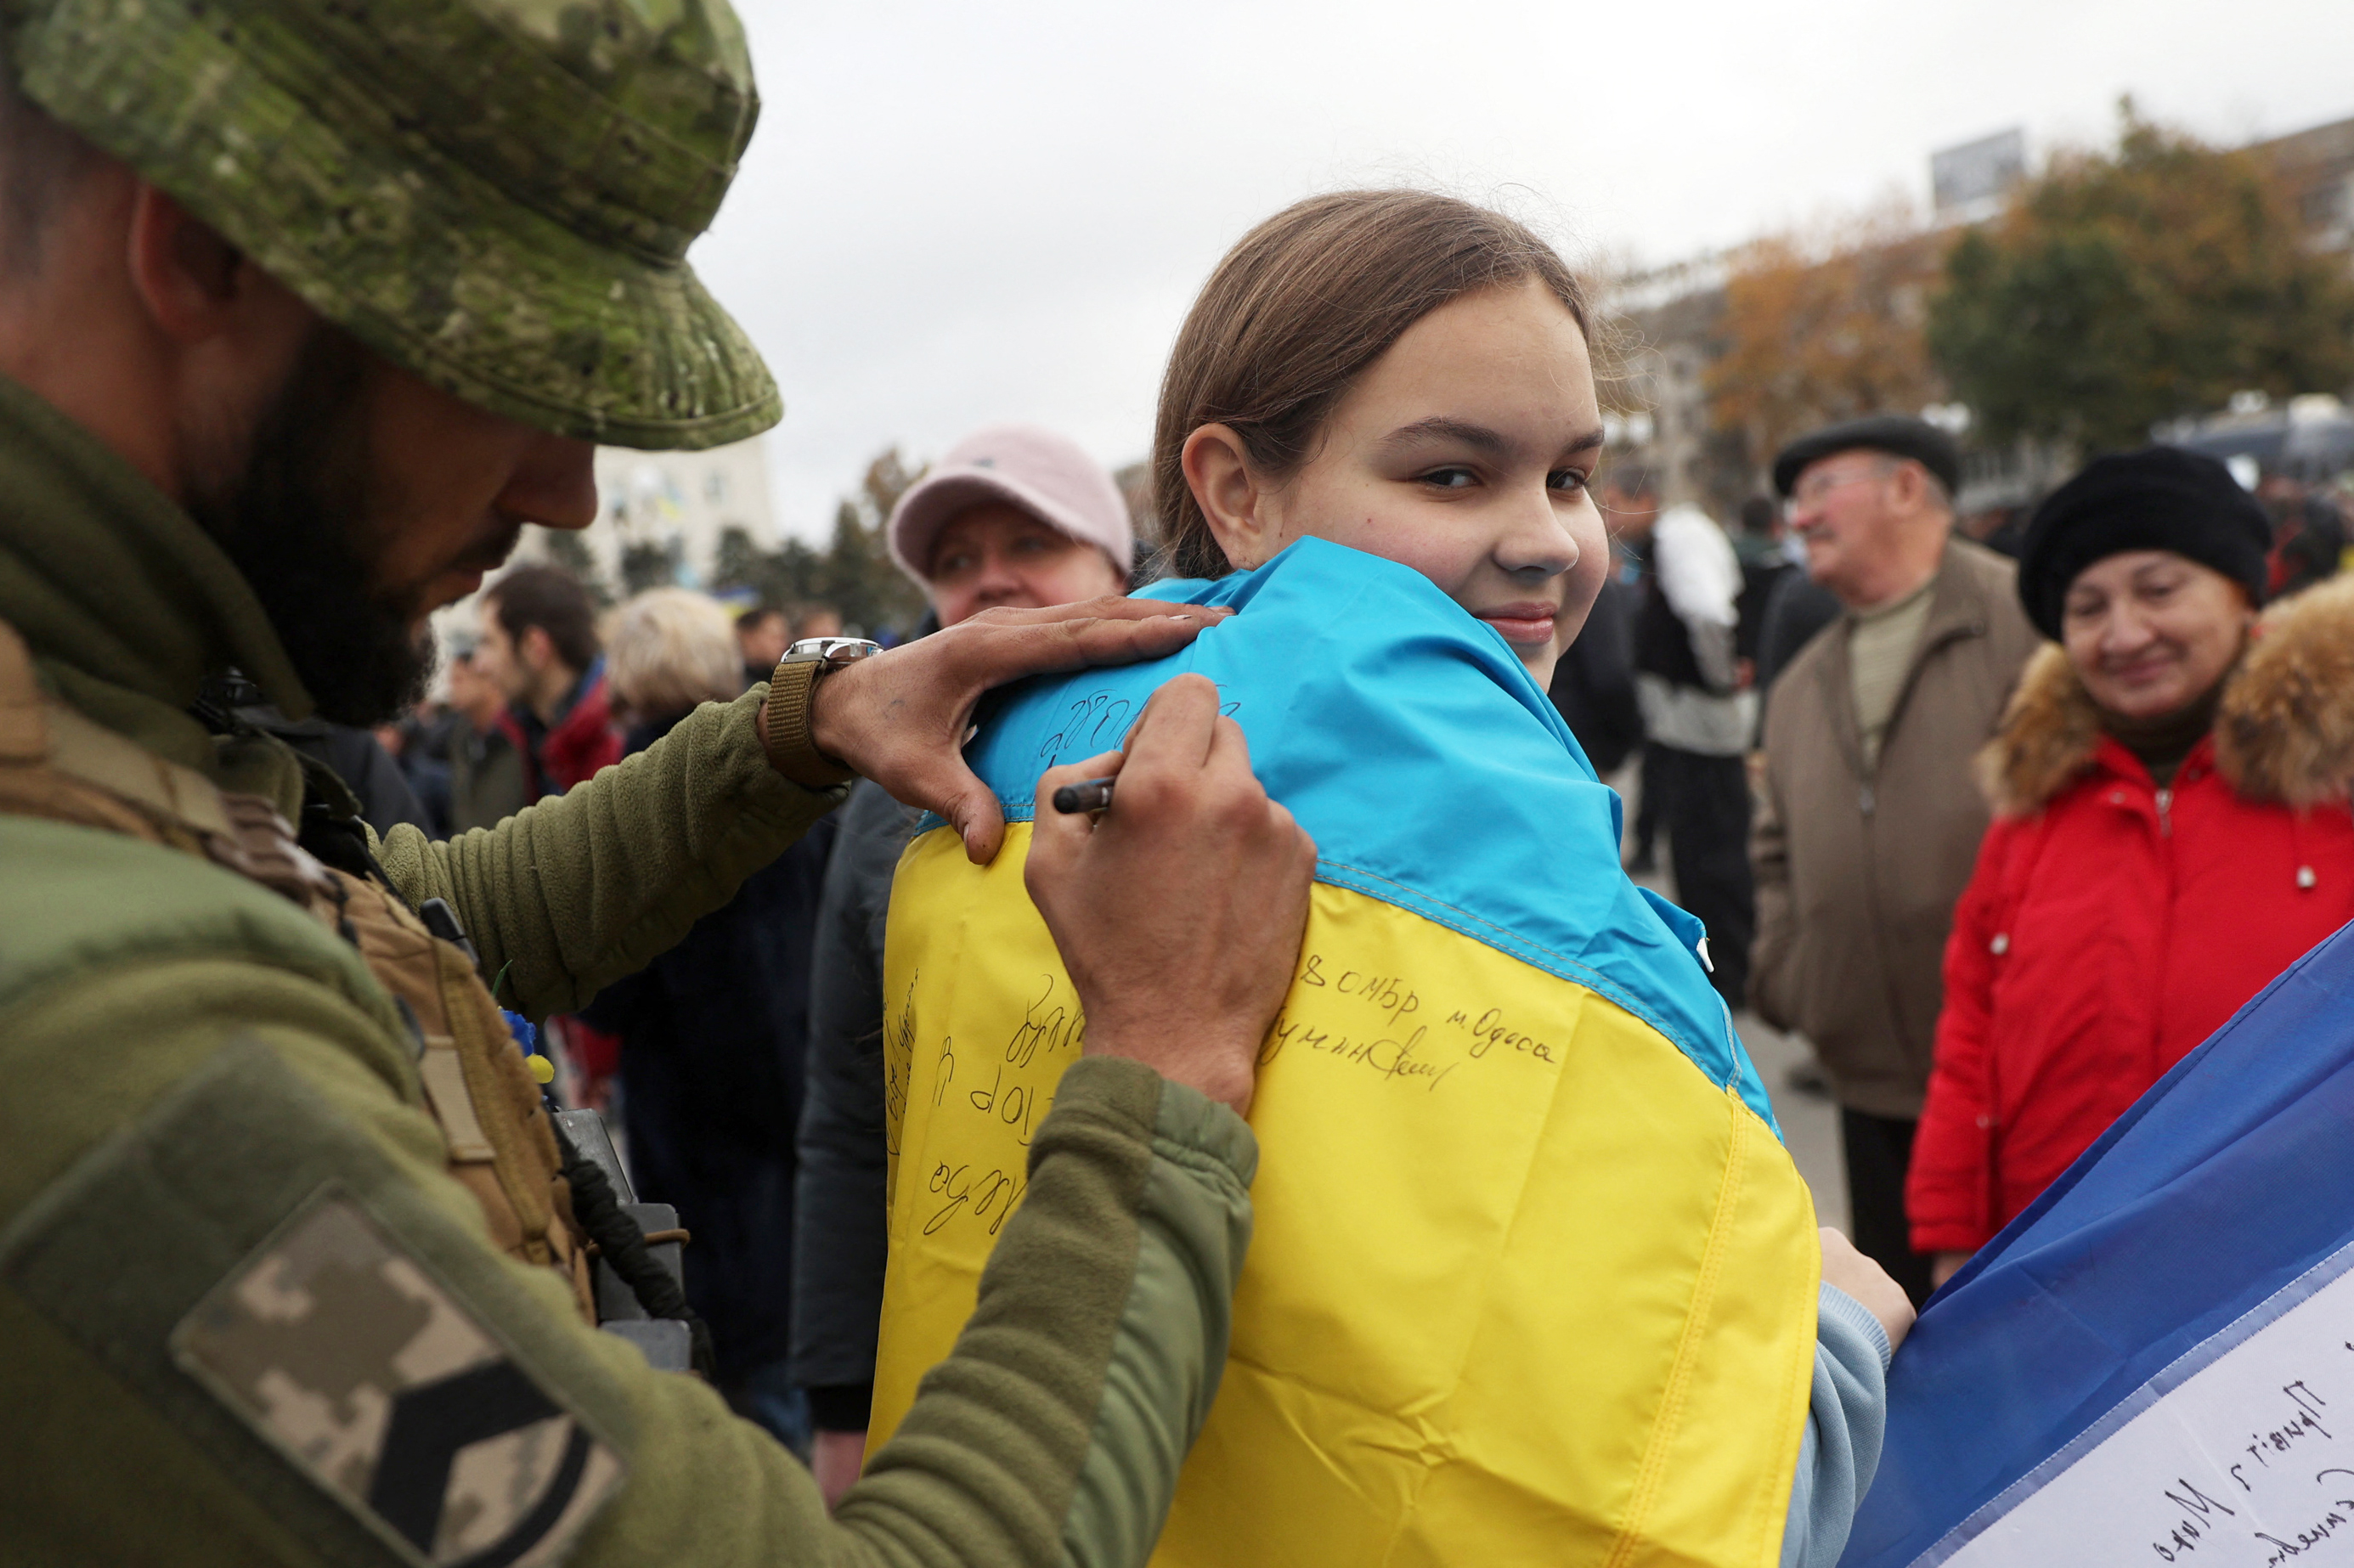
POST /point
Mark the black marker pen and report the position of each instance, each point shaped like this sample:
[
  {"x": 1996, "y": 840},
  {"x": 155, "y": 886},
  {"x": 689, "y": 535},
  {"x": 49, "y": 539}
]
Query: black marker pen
[{"x": 1095, "y": 795}]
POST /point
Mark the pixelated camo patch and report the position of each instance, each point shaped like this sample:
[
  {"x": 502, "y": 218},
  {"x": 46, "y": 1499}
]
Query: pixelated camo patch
[{"x": 335, "y": 1345}]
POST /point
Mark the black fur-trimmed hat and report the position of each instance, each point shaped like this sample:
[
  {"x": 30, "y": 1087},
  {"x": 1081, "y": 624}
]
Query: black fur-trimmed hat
[{"x": 2160, "y": 498}]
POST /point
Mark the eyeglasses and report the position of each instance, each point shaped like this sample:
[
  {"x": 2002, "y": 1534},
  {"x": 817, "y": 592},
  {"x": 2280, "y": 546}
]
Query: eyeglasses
[{"x": 1814, "y": 486}]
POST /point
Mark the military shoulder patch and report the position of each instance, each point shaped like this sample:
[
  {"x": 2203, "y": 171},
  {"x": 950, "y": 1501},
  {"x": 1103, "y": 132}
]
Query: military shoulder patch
[{"x": 336, "y": 1346}]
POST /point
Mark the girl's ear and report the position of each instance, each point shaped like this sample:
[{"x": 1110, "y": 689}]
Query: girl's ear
[{"x": 1234, "y": 500}]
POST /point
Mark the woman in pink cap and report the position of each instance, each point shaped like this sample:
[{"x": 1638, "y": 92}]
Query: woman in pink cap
[{"x": 1013, "y": 515}]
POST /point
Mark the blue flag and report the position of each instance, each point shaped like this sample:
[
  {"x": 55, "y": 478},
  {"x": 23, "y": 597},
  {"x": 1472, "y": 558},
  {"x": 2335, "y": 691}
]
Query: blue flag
[{"x": 2155, "y": 1363}]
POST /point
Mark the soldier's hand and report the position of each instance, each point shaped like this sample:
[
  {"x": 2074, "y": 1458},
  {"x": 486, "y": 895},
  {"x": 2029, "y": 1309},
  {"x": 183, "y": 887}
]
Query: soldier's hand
[
  {"x": 900, "y": 718},
  {"x": 1178, "y": 911}
]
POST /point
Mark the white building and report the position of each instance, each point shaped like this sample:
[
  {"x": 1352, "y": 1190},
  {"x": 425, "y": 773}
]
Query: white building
[{"x": 677, "y": 502}]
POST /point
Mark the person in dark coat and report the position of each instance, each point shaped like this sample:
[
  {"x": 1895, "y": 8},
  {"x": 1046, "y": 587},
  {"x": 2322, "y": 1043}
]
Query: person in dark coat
[
  {"x": 1780, "y": 606},
  {"x": 352, "y": 755},
  {"x": 839, "y": 1230},
  {"x": 418, "y": 741},
  {"x": 1594, "y": 684},
  {"x": 2309, "y": 534},
  {"x": 486, "y": 775},
  {"x": 1014, "y": 516},
  {"x": 713, "y": 1037},
  {"x": 1766, "y": 558},
  {"x": 1796, "y": 608},
  {"x": 762, "y": 635},
  {"x": 1699, "y": 715}
]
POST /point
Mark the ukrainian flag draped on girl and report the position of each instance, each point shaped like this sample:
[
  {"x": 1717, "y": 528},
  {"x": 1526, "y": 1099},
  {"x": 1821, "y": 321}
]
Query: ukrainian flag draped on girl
[{"x": 1533, "y": 1277}]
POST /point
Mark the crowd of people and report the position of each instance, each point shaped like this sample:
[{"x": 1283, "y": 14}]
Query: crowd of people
[
  {"x": 1370, "y": 1170},
  {"x": 2001, "y": 835},
  {"x": 2022, "y": 824}
]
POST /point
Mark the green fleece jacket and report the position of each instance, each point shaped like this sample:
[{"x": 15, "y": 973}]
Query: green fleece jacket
[{"x": 234, "y": 1276}]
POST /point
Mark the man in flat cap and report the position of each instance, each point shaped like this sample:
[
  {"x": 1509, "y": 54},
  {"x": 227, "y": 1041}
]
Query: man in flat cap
[
  {"x": 306, "y": 307},
  {"x": 1870, "y": 818}
]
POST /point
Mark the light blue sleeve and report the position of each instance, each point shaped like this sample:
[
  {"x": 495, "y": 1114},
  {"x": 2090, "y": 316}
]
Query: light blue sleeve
[{"x": 1840, "y": 1448}]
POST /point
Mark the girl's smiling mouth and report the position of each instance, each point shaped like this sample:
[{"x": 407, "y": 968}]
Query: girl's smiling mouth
[{"x": 1526, "y": 624}]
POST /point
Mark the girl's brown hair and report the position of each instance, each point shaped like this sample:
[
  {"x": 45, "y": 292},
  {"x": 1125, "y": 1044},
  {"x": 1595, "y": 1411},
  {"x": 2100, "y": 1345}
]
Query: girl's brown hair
[{"x": 1298, "y": 310}]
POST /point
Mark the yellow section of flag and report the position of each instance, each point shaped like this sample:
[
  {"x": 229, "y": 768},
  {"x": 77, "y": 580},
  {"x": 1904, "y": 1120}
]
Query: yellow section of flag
[{"x": 1525, "y": 1285}]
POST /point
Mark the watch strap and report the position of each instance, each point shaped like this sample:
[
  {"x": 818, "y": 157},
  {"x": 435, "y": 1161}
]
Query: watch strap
[{"x": 785, "y": 727}]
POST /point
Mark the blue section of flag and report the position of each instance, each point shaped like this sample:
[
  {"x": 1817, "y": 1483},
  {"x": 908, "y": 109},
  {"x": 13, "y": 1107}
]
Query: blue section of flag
[
  {"x": 2228, "y": 1181},
  {"x": 1431, "y": 770}
]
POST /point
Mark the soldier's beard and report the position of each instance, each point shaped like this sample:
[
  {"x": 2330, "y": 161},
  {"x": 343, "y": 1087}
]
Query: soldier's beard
[{"x": 294, "y": 519}]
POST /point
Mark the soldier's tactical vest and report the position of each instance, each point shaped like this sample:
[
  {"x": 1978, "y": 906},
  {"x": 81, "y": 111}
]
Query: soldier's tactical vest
[
  {"x": 1533, "y": 1278},
  {"x": 57, "y": 764}
]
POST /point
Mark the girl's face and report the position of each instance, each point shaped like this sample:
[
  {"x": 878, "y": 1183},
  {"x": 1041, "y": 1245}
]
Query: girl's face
[{"x": 1464, "y": 452}]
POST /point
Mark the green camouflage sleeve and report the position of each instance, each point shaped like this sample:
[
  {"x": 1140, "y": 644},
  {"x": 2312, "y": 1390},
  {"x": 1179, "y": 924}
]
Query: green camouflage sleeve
[
  {"x": 238, "y": 1286},
  {"x": 1055, "y": 1433},
  {"x": 587, "y": 886}
]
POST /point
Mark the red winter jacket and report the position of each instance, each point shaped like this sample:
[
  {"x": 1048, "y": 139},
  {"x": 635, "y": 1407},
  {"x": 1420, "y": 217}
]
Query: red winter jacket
[{"x": 2110, "y": 926}]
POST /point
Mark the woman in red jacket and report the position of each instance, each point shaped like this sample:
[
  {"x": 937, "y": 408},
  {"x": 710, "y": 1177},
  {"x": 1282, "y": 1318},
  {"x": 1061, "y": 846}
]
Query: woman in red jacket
[{"x": 2171, "y": 830}]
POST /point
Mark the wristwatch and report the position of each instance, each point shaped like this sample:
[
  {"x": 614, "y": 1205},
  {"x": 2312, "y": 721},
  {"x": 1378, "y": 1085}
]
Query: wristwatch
[{"x": 785, "y": 720}]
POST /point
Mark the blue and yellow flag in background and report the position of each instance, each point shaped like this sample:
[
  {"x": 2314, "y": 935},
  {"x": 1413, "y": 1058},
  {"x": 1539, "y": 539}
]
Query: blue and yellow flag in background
[
  {"x": 1533, "y": 1278},
  {"x": 2154, "y": 1364}
]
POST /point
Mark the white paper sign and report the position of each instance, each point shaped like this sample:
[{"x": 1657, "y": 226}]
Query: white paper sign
[{"x": 2241, "y": 1455}]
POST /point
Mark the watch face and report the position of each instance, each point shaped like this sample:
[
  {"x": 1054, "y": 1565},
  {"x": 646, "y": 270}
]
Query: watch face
[{"x": 834, "y": 649}]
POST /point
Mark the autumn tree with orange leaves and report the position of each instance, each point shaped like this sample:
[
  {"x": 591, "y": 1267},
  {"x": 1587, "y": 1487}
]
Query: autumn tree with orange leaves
[{"x": 1826, "y": 327}]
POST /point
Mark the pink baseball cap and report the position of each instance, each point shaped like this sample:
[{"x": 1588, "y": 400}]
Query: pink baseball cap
[{"x": 1042, "y": 474}]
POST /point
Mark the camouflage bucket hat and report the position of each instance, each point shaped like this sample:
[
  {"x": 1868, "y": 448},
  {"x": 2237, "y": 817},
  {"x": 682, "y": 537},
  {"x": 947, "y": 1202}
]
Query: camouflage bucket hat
[{"x": 496, "y": 195}]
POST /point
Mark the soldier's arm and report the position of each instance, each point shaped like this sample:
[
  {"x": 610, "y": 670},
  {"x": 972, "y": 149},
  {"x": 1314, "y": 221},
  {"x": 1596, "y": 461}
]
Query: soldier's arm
[
  {"x": 233, "y": 1265},
  {"x": 156, "y": 1321},
  {"x": 839, "y": 1208},
  {"x": 1056, "y": 1431},
  {"x": 584, "y": 888}
]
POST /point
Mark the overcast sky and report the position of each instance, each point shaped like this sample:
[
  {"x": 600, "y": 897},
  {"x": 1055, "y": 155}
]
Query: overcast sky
[{"x": 956, "y": 214}]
